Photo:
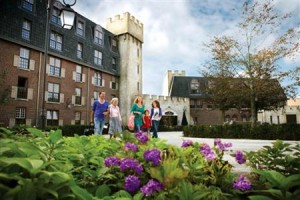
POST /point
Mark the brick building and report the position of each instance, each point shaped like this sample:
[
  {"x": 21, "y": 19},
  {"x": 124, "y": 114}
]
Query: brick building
[{"x": 80, "y": 63}]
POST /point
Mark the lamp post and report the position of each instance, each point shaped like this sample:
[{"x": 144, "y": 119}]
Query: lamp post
[{"x": 67, "y": 16}]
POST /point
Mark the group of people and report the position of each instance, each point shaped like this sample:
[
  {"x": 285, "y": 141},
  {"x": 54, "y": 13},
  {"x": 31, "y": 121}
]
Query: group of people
[{"x": 144, "y": 119}]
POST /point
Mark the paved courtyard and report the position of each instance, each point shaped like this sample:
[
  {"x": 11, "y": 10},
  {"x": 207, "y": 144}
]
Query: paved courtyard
[{"x": 176, "y": 138}]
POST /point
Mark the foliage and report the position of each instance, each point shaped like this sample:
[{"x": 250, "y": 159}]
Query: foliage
[
  {"x": 281, "y": 157},
  {"x": 245, "y": 131},
  {"x": 274, "y": 185},
  {"x": 47, "y": 165},
  {"x": 253, "y": 64},
  {"x": 4, "y": 92}
]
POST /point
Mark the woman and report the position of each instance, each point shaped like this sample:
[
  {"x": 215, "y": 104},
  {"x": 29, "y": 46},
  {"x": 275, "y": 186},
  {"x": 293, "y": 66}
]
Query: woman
[
  {"x": 156, "y": 115},
  {"x": 137, "y": 109},
  {"x": 115, "y": 118}
]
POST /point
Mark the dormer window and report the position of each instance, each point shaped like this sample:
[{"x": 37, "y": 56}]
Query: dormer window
[
  {"x": 27, "y": 5},
  {"x": 195, "y": 86},
  {"x": 98, "y": 39},
  {"x": 55, "y": 16},
  {"x": 80, "y": 28}
]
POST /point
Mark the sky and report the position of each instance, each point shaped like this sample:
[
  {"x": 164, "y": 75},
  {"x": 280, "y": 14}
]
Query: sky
[{"x": 175, "y": 31}]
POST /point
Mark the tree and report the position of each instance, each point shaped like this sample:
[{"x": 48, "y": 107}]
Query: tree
[
  {"x": 184, "y": 121},
  {"x": 4, "y": 92},
  {"x": 251, "y": 61}
]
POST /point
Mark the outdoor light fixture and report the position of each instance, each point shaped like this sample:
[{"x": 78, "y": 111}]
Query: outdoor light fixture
[{"x": 67, "y": 16}]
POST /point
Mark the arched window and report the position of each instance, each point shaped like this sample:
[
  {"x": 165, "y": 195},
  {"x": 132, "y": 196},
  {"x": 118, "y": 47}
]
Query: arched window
[{"x": 169, "y": 113}]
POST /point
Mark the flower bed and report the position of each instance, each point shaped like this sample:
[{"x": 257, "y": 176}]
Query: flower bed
[{"x": 133, "y": 166}]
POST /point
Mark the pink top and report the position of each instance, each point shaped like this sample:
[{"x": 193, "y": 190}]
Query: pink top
[{"x": 114, "y": 111}]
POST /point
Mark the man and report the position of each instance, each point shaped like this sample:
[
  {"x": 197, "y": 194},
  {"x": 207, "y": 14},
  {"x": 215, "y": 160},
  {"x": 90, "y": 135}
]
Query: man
[{"x": 99, "y": 113}]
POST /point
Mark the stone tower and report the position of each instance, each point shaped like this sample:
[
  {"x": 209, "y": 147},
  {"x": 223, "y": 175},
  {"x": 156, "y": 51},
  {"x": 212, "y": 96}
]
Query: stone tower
[{"x": 129, "y": 32}]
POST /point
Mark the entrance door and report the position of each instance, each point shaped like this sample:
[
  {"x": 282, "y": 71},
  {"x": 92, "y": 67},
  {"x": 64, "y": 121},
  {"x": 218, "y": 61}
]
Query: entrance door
[{"x": 291, "y": 119}]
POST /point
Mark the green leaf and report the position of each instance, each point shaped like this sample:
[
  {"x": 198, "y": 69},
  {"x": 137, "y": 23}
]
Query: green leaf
[
  {"x": 36, "y": 132},
  {"x": 27, "y": 191},
  {"x": 123, "y": 194},
  {"x": 102, "y": 191},
  {"x": 259, "y": 197},
  {"x": 80, "y": 192},
  {"x": 26, "y": 163},
  {"x": 291, "y": 181},
  {"x": 55, "y": 136},
  {"x": 138, "y": 196}
]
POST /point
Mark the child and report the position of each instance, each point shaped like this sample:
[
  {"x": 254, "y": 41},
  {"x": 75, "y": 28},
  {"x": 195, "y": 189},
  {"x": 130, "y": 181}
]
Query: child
[
  {"x": 156, "y": 115},
  {"x": 146, "y": 122},
  {"x": 115, "y": 118}
]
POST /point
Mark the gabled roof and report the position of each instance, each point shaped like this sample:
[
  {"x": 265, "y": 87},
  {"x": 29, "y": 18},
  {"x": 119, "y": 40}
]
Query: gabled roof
[{"x": 181, "y": 87}]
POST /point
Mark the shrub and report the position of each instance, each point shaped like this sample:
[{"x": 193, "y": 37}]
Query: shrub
[{"x": 245, "y": 131}]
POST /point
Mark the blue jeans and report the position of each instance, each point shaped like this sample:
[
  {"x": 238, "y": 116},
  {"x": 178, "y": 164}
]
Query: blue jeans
[
  {"x": 99, "y": 124},
  {"x": 155, "y": 128},
  {"x": 137, "y": 128}
]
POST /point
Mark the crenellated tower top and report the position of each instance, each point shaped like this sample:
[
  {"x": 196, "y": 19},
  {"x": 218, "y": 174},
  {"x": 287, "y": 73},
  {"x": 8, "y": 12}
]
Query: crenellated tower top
[{"x": 126, "y": 24}]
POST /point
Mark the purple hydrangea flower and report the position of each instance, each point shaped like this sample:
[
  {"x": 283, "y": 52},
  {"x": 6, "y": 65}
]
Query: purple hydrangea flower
[
  {"x": 239, "y": 157},
  {"x": 142, "y": 137},
  {"x": 151, "y": 187},
  {"x": 222, "y": 146},
  {"x": 153, "y": 156},
  {"x": 130, "y": 163},
  {"x": 112, "y": 161},
  {"x": 187, "y": 143},
  {"x": 132, "y": 183},
  {"x": 131, "y": 147},
  {"x": 207, "y": 152},
  {"x": 242, "y": 183}
]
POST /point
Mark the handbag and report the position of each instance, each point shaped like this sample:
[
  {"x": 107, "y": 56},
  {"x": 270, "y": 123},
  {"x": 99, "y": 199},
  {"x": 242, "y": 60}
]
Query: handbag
[{"x": 130, "y": 123}]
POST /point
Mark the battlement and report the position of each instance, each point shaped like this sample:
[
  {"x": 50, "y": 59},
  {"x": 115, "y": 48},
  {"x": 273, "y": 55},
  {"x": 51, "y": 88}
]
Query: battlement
[
  {"x": 126, "y": 17},
  {"x": 126, "y": 24},
  {"x": 149, "y": 97},
  {"x": 176, "y": 72}
]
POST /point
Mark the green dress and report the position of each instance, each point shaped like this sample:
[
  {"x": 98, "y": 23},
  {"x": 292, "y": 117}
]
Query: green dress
[{"x": 138, "y": 118}]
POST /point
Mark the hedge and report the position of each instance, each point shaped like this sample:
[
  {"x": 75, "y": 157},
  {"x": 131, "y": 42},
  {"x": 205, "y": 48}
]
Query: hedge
[{"x": 238, "y": 131}]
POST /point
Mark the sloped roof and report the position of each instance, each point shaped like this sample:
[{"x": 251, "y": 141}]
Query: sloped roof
[{"x": 181, "y": 87}]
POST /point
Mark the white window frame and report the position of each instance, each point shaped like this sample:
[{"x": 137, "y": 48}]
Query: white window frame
[
  {"x": 98, "y": 39},
  {"x": 98, "y": 79},
  {"x": 20, "y": 113},
  {"x": 79, "y": 50},
  {"x": 56, "y": 41},
  {"x": 53, "y": 115},
  {"x": 97, "y": 57},
  {"x": 78, "y": 96},
  {"x": 53, "y": 92},
  {"x": 55, "y": 67},
  {"x": 28, "y": 5},
  {"x": 55, "y": 16},
  {"x": 80, "y": 28},
  {"x": 24, "y": 58},
  {"x": 26, "y": 29},
  {"x": 78, "y": 73}
]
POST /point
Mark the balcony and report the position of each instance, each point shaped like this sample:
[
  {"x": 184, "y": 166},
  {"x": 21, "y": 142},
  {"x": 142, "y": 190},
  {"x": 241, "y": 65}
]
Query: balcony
[{"x": 22, "y": 93}]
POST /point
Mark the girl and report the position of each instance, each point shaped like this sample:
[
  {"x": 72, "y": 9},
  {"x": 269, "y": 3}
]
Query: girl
[
  {"x": 115, "y": 120},
  {"x": 146, "y": 122},
  {"x": 156, "y": 115}
]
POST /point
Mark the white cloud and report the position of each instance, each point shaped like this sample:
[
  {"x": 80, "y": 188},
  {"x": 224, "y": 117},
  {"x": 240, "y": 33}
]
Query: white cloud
[{"x": 174, "y": 30}]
